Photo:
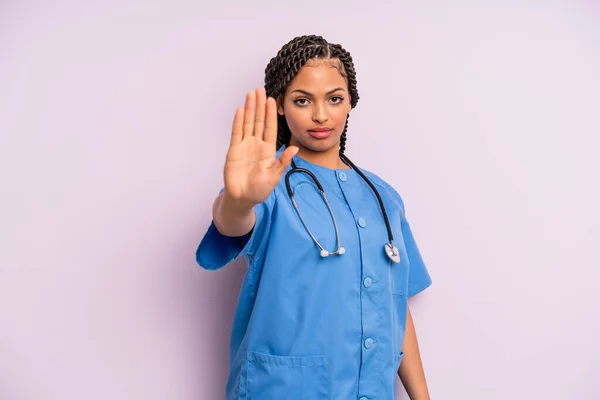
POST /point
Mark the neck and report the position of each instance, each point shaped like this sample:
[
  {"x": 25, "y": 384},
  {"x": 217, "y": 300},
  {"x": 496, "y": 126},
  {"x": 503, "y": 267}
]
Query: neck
[{"x": 328, "y": 158}]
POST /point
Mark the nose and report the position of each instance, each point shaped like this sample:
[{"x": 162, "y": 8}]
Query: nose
[{"x": 319, "y": 113}]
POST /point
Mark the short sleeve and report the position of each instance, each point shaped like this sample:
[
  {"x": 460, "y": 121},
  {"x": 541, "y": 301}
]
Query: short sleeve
[
  {"x": 418, "y": 276},
  {"x": 217, "y": 250}
]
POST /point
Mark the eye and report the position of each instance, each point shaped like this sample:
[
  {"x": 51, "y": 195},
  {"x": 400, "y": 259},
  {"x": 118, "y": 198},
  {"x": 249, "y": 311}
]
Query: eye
[
  {"x": 339, "y": 99},
  {"x": 301, "y": 102}
]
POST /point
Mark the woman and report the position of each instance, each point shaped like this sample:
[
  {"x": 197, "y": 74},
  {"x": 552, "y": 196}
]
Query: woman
[{"x": 323, "y": 311}]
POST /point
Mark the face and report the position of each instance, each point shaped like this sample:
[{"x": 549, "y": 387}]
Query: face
[{"x": 316, "y": 104}]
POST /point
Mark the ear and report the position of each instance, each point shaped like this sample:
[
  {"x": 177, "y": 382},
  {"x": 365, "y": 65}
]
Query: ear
[{"x": 280, "y": 105}]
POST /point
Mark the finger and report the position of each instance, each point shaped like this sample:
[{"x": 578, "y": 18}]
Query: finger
[
  {"x": 236, "y": 130},
  {"x": 270, "y": 134},
  {"x": 259, "y": 120},
  {"x": 285, "y": 159},
  {"x": 249, "y": 112}
]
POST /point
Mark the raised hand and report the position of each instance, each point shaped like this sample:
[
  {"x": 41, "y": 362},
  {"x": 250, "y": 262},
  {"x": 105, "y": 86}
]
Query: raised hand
[{"x": 251, "y": 169}]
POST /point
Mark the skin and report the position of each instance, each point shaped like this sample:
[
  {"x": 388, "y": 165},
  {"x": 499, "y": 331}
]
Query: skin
[
  {"x": 411, "y": 371},
  {"x": 317, "y": 96}
]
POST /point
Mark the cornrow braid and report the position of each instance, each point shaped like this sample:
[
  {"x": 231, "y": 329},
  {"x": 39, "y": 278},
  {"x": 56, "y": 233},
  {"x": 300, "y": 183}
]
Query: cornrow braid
[{"x": 285, "y": 66}]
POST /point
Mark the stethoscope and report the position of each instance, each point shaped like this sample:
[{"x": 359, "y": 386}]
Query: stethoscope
[{"x": 390, "y": 250}]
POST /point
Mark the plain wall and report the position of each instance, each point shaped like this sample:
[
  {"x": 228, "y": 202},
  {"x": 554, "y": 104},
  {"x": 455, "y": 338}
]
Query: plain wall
[{"x": 115, "y": 119}]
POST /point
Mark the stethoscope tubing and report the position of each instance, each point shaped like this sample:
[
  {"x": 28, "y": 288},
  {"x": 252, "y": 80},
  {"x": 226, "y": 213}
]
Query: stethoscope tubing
[{"x": 348, "y": 162}]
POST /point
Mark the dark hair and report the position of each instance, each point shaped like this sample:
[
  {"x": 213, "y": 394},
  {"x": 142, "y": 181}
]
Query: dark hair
[{"x": 294, "y": 55}]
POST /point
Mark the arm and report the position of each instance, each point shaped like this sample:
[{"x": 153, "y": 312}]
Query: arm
[
  {"x": 411, "y": 368},
  {"x": 252, "y": 170},
  {"x": 231, "y": 218}
]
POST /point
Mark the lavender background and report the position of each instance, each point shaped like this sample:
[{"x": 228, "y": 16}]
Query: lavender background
[{"x": 114, "y": 123}]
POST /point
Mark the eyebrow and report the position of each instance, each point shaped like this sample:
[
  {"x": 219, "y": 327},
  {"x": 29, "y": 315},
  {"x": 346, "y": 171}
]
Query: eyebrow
[{"x": 310, "y": 94}]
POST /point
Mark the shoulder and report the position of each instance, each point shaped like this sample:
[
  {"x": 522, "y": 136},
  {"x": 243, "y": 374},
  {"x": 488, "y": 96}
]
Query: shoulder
[{"x": 385, "y": 187}]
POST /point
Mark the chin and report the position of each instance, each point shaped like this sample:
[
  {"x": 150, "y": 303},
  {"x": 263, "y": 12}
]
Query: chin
[{"x": 320, "y": 145}]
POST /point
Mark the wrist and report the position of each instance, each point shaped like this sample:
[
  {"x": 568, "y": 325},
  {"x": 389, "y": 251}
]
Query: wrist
[{"x": 235, "y": 206}]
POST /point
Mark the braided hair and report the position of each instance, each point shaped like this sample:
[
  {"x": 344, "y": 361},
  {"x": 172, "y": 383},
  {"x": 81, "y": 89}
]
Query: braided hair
[{"x": 294, "y": 55}]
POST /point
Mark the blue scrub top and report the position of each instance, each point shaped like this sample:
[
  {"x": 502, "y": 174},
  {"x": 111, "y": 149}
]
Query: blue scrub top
[{"x": 313, "y": 328}]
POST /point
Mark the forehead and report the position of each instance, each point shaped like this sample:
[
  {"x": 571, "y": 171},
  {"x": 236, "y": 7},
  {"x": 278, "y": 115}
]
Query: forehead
[{"x": 319, "y": 76}]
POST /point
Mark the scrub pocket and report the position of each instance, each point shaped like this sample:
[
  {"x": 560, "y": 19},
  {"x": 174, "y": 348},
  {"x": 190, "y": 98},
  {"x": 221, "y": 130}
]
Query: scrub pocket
[{"x": 284, "y": 377}]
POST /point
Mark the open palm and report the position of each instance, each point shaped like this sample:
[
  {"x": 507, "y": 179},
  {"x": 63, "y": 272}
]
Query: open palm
[{"x": 251, "y": 168}]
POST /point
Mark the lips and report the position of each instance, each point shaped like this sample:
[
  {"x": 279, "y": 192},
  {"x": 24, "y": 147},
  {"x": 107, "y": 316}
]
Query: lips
[{"x": 320, "y": 133}]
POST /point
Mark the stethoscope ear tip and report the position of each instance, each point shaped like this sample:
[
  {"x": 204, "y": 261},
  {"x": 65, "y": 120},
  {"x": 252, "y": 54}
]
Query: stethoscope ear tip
[{"x": 325, "y": 253}]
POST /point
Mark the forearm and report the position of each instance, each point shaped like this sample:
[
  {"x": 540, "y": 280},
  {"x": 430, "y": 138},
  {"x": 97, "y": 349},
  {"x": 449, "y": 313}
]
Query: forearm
[
  {"x": 411, "y": 370},
  {"x": 232, "y": 218}
]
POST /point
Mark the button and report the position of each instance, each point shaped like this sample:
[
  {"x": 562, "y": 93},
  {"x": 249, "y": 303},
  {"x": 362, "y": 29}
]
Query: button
[
  {"x": 363, "y": 398},
  {"x": 367, "y": 282},
  {"x": 369, "y": 343},
  {"x": 362, "y": 222},
  {"x": 343, "y": 176}
]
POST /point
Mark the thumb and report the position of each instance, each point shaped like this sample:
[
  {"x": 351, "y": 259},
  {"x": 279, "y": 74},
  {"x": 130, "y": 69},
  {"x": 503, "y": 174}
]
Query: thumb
[{"x": 285, "y": 159}]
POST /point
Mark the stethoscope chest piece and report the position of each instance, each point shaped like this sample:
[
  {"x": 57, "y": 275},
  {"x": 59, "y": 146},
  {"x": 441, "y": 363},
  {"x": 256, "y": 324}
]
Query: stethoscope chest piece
[{"x": 392, "y": 252}]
